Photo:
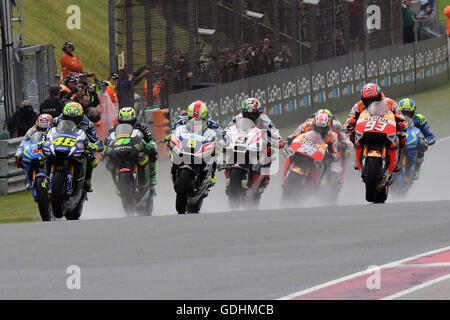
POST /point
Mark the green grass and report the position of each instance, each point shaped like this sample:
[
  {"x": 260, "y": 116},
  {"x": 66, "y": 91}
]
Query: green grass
[
  {"x": 45, "y": 23},
  {"x": 18, "y": 207},
  {"x": 442, "y": 5}
]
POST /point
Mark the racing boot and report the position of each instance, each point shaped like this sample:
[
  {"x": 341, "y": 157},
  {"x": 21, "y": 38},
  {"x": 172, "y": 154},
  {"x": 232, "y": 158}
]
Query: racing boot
[
  {"x": 212, "y": 181},
  {"x": 89, "y": 168},
  {"x": 417, "y": 168}
]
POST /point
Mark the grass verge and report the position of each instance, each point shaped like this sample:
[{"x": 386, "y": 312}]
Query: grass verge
[{"x": 18, "y": 207}]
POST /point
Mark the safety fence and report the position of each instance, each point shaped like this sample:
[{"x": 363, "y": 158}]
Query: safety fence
[
  {"x": 197, "y": 43},
  {"x": 12, "y": 179},
  {"x": 290, "y": 96}
]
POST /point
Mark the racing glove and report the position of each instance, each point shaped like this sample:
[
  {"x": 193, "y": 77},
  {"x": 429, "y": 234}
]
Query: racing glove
[
  {"x": 423, "y": 144},
  {"x": 92, "y": 147},
  {"x": 18, "y": 162}
]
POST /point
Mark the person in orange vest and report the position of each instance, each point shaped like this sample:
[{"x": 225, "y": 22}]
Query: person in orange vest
[
  {"x": 112, "y": 85},
  {"x": 447, "y": 13},
  {"x": 70, "y": 64}
]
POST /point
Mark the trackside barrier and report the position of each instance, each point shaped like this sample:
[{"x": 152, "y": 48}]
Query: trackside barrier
[
  {"x": 12, "y": 179},
  {"x": 158, "y": 122}
]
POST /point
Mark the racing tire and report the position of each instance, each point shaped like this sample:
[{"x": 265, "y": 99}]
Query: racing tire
[
  {"x": 42, "y": 199},
  {"x": 372, "y": 178},
  {"x": 182, "y": 186},
  {"x": 235, "y": 190},
  {"x": 125, "y": 185},
  {"x": 57, "y": 198},
  {"x": 195, "y": 208}
]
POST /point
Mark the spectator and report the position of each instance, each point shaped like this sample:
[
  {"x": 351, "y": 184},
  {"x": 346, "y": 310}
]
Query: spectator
[
  {"x": 408, "y": 17},
  {"x": 112, "y": 88},
  {"x": 69, "y": 89},
  {"x": 283, "y": 60},
  {"x": 84, "y": 75},
  {"x": 22, "y": 120},
  {"x": 427, "y": 27},
  {"x": 89, "y": 88},
  {"x": 266, "y": 56},
  {"x": 127, "y": 84},
  {"x": 90, "y": 109},
  {"x": 70, "y": 64},
  {"x": 423, "y": 3},
  {"x": 53, "y": 104}
]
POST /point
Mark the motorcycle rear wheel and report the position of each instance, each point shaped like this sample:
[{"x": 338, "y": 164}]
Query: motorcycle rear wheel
[{"x": 372, "y": 180}]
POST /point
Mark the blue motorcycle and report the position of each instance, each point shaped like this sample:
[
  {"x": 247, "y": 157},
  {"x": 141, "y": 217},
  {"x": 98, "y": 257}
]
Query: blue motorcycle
[
  {"x": 65, "y": 156},
  {"x": 33, "y": 166},
  {"x": 403, "y": 180}
]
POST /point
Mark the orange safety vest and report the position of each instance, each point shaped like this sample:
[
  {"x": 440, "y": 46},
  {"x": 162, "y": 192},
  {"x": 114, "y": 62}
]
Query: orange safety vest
[
  {"x": 112, "y": 94},
  {"x": 70, "y": 64}
]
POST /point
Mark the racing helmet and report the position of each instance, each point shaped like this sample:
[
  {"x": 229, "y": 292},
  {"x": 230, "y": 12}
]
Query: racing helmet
[
  {"x": 322, "y": 123},
  {"x": 197, "y": 110},
  {"x": 327, "y": 111},
  {"x": 43, "y": 122},
  {"x": 73, "y": 111},
  {"x": 371, "y": 92},
  {"x": 127, "y": 115},
  {"x": 251, "y": 108},
  {"x": 407, "y": 107}
]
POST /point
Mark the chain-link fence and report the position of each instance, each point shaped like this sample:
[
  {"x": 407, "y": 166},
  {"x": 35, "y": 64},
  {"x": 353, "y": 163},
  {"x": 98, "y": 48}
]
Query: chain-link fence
[
  {"x": 189, "y": 44},
  {"x": 34, "y": 68}
]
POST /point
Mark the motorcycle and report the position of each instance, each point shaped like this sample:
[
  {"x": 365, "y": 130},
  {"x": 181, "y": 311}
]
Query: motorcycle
[
  {"x": 376, "y": 150},
  {"x": 246, "y": 151},
  {"x": 304, "y": 166},
  {"x": 403, "y": 180},
  {"x": 33, "y": 167},
  {"x": 130, "y": 170},
  {"x": 64, "y": 151},
  {"x": 192, "y": 153}
]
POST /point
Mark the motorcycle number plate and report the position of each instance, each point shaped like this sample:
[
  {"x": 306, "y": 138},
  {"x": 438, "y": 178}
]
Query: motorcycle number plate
[
  {"x": 244, "y": 183},
  {"x": 191, "y": 143},
  {"x": 66, "y": 142}
]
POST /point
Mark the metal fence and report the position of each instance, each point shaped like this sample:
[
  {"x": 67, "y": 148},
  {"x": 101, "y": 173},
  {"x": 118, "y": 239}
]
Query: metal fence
[
  {"x": 191, "y": 44},
  {"x": 34, "y": 68}
]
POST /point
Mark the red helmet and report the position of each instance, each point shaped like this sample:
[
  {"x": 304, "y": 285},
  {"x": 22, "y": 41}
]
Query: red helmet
[
  {"x": 371, "y": 92},
  {"x": 43, "y": 122}
]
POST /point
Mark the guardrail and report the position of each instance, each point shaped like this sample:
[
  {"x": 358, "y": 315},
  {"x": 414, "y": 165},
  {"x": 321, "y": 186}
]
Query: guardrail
[{"x": 12, "y": 179}]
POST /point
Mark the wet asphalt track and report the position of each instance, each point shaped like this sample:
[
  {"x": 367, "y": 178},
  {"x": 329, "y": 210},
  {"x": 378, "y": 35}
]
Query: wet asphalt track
[{"x": 247, "y": 254}]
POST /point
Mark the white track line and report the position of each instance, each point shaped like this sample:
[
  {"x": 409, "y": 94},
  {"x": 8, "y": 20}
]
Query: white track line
[
  {"x": 357, "y": 274},
  {"x": 420, "y": 286}
]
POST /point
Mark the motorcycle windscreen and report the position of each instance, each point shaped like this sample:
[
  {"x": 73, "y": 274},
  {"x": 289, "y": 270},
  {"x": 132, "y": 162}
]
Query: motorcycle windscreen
[
  {"x": 378, "y": 108},
  {"x": 196, "y": 125},
  {"x": 36, "y": 137},
  {"x": 66, "y": 126},
  {"x": 245, "y": 124},
  {"x": 123, "y": 130}
]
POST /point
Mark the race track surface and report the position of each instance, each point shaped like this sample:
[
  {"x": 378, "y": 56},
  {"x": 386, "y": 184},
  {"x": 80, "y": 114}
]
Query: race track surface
[{"x": 218, "y": 254}]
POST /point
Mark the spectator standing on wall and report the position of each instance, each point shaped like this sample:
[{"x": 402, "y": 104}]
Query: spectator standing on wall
[
  {"x": 70, "y": 64},
  {"x": 52, "y": 105},
  {"x": 22, "y": 120}
]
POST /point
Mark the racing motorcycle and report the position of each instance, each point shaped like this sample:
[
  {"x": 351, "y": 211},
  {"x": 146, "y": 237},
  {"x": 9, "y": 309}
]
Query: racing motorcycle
[
  {"x": 375, "y": 150},
  {"x": 304, "y": 165},
  {"x": 403, "y": 180},
  {"x": 247, "y": 149},
  {"x": 64, "y": 151},
  {"x": 130, "y": 169},
  {"x": 192, "y": 153},
  {"x": 33, "y": 167}
]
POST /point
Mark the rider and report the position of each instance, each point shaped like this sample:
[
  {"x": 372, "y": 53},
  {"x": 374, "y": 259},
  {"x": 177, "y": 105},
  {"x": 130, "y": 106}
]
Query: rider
[
  {"x": 199, "y": 110},
  {"x": 73, "y": 111},
  {"x": 408, "y": 108},
  {"x": 344, "y": 143},
  {"x": 370, "y": 93},
  {"x": 128, "y": 115},
  {"x": 252, "y": 109},
  {"x": 322, "y": 123},
  {"x": 42, "y": 124}
]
